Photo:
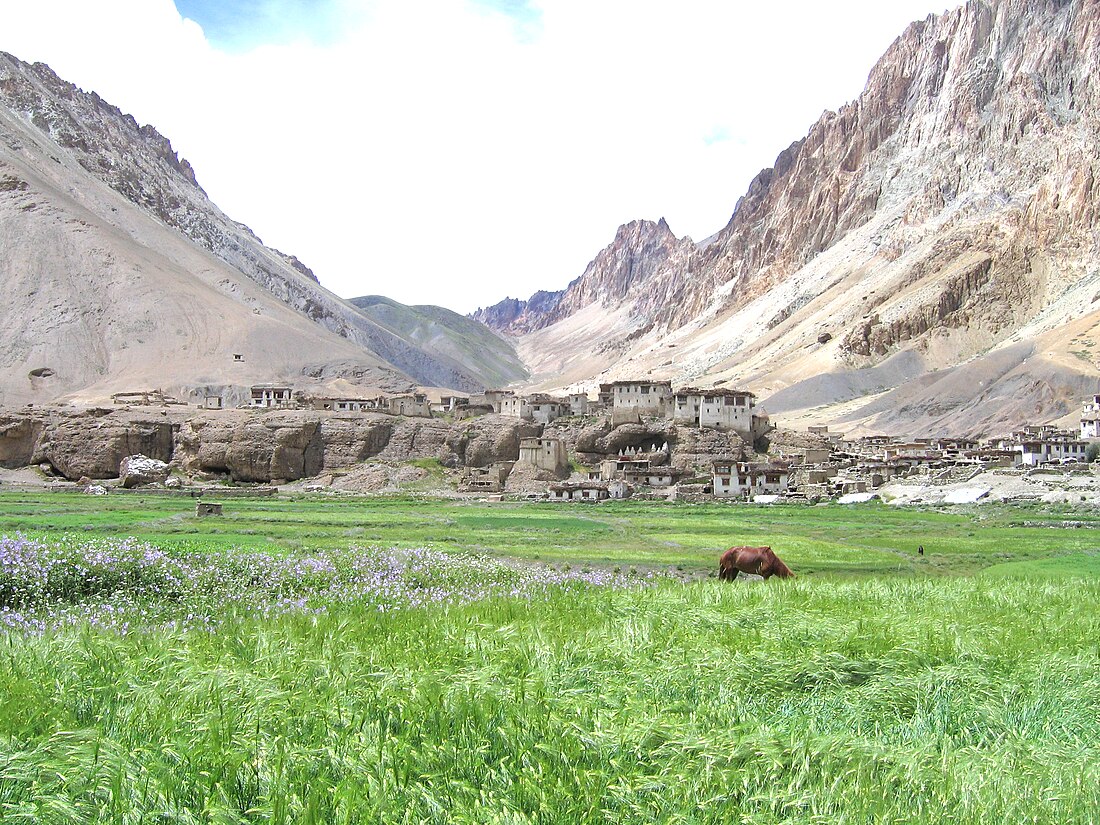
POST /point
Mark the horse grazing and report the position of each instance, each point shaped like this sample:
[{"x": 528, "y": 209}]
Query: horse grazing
[{"x": 758, "y": 560}]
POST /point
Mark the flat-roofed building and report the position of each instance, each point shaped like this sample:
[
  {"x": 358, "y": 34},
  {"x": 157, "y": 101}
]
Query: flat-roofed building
[
  {"x": 1090, "y": 418},
  {"x": 578, "y": 491},
  {"x": 266, "y": 396},
  {"x": 742, "y": 479},
  {"x": 642, "y": 397},
  {"x": 718, "y": 409}
]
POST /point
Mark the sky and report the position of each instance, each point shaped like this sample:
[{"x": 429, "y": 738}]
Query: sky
[{"x": 457, "y": 152}]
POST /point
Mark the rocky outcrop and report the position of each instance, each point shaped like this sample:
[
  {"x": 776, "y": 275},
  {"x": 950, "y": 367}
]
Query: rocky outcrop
[
  {"x": 257, "y": 449},
  {"x": 349, "y": 441},
  {"x": 487, "y": 440},
  {"x": 19, "y": 435},
  {"x": 696, "y": 448},
  {"x": 94, "y": 444}
]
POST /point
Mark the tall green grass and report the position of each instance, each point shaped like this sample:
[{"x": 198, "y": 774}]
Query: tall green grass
[{"x": 968, "y": 700}]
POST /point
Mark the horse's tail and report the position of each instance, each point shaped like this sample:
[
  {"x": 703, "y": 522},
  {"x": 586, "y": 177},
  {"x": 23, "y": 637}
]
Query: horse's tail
[{"x": 726, "y": 565}]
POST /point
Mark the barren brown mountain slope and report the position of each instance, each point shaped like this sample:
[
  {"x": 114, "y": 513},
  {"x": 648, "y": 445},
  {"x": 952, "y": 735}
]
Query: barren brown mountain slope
[
  {"x": 118, "y": 273},
  {"x": 926, "y": 258}
]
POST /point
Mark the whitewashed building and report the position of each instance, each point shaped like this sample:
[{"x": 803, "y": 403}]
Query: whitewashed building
[
  {"x": 578, "y": 491},
  {"x": 741, "y": 479},
  {"x": 1090, "y": 418},
  {"x": 1033, "y": 452},
  {"x": 718, "y": 409},
  {"x": 642, "y": 397},
  {"x": 266, "y": 396},
  {"x": 578, "y": 403}
]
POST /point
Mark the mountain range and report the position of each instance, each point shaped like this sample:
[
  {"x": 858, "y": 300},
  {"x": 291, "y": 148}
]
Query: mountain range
[
  {"x": 119, "y": 274},
  {"x": 924, "y": 260}
]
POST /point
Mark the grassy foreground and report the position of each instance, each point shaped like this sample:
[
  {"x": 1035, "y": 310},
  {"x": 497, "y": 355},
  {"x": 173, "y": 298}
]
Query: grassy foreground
[
  {"x": 887, "y": 701},
  {"x": 206, "y": 674}
]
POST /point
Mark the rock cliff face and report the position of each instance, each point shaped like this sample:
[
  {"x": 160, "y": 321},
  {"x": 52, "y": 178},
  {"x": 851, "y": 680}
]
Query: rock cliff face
[
  {"x": 91, "y": 201},
  {"x": 950, "y": 210},
  {"x": 247, "y": 446}
]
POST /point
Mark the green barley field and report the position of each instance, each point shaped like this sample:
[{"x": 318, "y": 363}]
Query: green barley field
[{"x": 365, "y": 660}]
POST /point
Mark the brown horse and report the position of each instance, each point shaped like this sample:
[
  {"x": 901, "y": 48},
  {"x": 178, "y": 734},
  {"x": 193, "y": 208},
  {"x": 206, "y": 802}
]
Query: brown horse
[{"x": 758, "y": 560}]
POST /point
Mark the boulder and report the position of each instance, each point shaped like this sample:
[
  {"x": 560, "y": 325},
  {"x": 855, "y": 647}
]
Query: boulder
[{"x": 137, "y": 470}]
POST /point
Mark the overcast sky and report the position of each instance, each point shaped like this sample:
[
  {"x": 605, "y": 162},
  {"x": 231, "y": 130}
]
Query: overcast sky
[{"x": 459, "y": 151}]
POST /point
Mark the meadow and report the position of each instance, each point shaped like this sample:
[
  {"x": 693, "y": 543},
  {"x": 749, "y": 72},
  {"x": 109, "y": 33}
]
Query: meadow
[{"x": 414, "y": 660}]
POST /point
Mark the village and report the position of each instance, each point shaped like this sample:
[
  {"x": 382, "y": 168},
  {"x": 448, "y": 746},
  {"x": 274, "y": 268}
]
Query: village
[{"x": 630, "y": 442}]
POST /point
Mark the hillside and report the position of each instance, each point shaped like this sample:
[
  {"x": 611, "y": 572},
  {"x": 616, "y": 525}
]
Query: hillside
[
  {"x": 447, "y": 337},
  {"x": 118, "y": 273},
  {"x": 923, "y": 260}
]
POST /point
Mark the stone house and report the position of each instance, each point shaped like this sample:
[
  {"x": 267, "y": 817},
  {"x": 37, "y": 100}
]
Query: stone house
[
  {"x": 810, "y": 456},
  {"x": 741, "y": 479},
  {"x": 1090, "y": 418},
  {"x": 486, "y": 479},
  {"x": 515, "y": 406},
  {"x": 718, "y": 409},
  {"x": 545, "y": 454},
  {"x": 413, "y": 405},
  {"x": 539, "y": 408},
  {"x": 471, "y": 411},
  {"x": 491, "y": 398},
  {"x": 653, "y": 476},
  {"x": 450, "y": 403},
  {"x": 641, "y": 397},
  {"x": 578, "y": 403},
  {"x": 348, "y": 404},
  {"x": 578, "y": 491},
  {"x": 617, "y": 466}
]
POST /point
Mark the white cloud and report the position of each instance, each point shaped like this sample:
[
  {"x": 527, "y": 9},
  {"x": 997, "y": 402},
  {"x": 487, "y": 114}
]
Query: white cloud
[{"x": 442, "y": 152}]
